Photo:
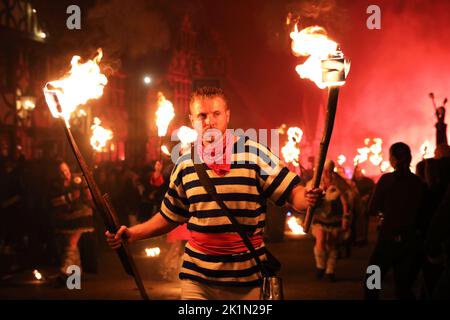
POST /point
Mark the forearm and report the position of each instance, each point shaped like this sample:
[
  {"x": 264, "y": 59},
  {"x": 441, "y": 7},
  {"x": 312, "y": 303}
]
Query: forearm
[
  {"x": 297, "y": 198},
  {"x": 156, "y": 226}
]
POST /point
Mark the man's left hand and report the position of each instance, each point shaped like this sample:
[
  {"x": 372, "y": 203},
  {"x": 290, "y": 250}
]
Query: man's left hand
[{"x": 313, "y": 196}]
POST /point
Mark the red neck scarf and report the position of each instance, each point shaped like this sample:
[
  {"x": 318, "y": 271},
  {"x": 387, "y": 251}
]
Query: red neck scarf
[{"x": 217, "y": 155}]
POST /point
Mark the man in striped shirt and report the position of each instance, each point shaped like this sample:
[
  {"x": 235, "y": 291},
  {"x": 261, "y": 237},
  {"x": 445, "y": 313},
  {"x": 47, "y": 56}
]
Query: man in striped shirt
[{"x": 216, "y": 262}]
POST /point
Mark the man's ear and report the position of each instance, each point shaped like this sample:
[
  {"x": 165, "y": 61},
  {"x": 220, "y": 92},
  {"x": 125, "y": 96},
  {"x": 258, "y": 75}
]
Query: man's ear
[
  {"x": 192, "y": 120},
  {"x": 228, "y": 115}
]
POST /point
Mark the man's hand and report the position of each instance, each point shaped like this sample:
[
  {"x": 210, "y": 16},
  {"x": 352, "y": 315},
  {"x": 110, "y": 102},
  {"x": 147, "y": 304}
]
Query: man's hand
[
  {"x": 115, "y": 239},
  {"x": 313, "y": 196}
]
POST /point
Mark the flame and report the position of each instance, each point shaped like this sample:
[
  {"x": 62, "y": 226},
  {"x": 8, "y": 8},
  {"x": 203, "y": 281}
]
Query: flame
[
  {"x": 290, "y": 151},
  {"x": 362, "y": 156},
  {"x": 295, "y": 134},
  {"x": 372, "y": 152},
  {"x": 37, "y": 275},
  {"x": 324, "y": 57},
  {"x": 282, "y": 129},
  {"x": 164, "y": 114},
  {"x": 295, "y": 227},
  {"x": 152, "y": 252},
  {"x": 83, "y": 82},
  {"x": 341, "y": 159},
  {"x": 165, "y": 150},
  {"x": 425, "y": 150},
  {"x": 385, "y": 166},
  {"x": 187, "y": 135},
  {"x": 82, "y": 113},
  {"x": 99, "y": 136},
  {"x": 376, "y": 158}
]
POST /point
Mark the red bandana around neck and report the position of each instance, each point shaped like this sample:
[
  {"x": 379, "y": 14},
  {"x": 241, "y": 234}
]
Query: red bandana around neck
[{"x": 217, "y": 156}]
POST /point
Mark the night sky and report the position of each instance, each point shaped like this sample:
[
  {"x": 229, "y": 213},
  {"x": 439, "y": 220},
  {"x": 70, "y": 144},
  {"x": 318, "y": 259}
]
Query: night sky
[{"x": 386, "y": 94}]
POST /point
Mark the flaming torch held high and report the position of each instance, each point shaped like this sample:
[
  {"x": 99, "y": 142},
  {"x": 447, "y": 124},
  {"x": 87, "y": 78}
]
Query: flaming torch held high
[
  {"x": 164, "y": 114},
  {"x": 82, "y": 83},
  {"x": 327, "y": 67},
  {"x": 100, "y": 136}
]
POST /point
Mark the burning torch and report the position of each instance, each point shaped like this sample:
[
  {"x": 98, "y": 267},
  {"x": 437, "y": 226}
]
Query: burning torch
[
  {"x": 327, "y": 67},
  {"x": 85, "y": 82},
  {"x": 164, "y": 115}
]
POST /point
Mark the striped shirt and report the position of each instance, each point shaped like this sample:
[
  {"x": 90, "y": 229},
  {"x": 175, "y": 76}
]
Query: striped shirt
[{"x": 256, "y": 175}]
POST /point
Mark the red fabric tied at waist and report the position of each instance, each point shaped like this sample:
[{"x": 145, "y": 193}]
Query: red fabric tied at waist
[{"x": 222, "y": 243}]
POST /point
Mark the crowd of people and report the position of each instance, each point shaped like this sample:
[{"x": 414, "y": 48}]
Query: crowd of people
[{"x": 48, "y": 214}]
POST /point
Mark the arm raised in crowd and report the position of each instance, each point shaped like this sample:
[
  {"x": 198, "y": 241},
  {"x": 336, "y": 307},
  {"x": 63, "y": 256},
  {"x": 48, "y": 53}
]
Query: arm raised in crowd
[{"x": 156, "y": 226}]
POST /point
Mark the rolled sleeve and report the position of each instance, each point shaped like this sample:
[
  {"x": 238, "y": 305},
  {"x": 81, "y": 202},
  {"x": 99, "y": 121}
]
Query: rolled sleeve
[{"x": 175, "y": 206}]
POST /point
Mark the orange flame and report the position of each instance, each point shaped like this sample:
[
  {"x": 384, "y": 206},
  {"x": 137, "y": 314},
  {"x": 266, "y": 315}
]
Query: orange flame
[
  {"x": 165, "y": 150},
  {"x": 372, "y": 152},
  {"x": 83, "y": 82},
  {"x": 37, "y": 275},
  {"x": 295, "y": 227},
  {"x": 164, "y": 114},
  {"x": 425, "y": 150},
  {"x": 187, "y": 135},
  {"x": 385, "y": 166},
  {"x": 100, "y": 136},
  {"x": 290, "y": 151},
  {"x": 313, "y": 43},
  {"x": 362, "y": 156},
  {"x": 152, "y": 252},
  {"x": 341, "y": 159},
  {"x": 376, "y": 150}
]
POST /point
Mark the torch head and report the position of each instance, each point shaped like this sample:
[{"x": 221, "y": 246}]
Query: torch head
[
  {"x": 51, "y": 97},
  {"x": 334, "y": 69}
]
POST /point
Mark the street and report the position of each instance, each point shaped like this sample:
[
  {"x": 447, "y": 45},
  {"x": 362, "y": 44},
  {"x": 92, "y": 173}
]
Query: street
[{"x": 295, "y": 254}]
